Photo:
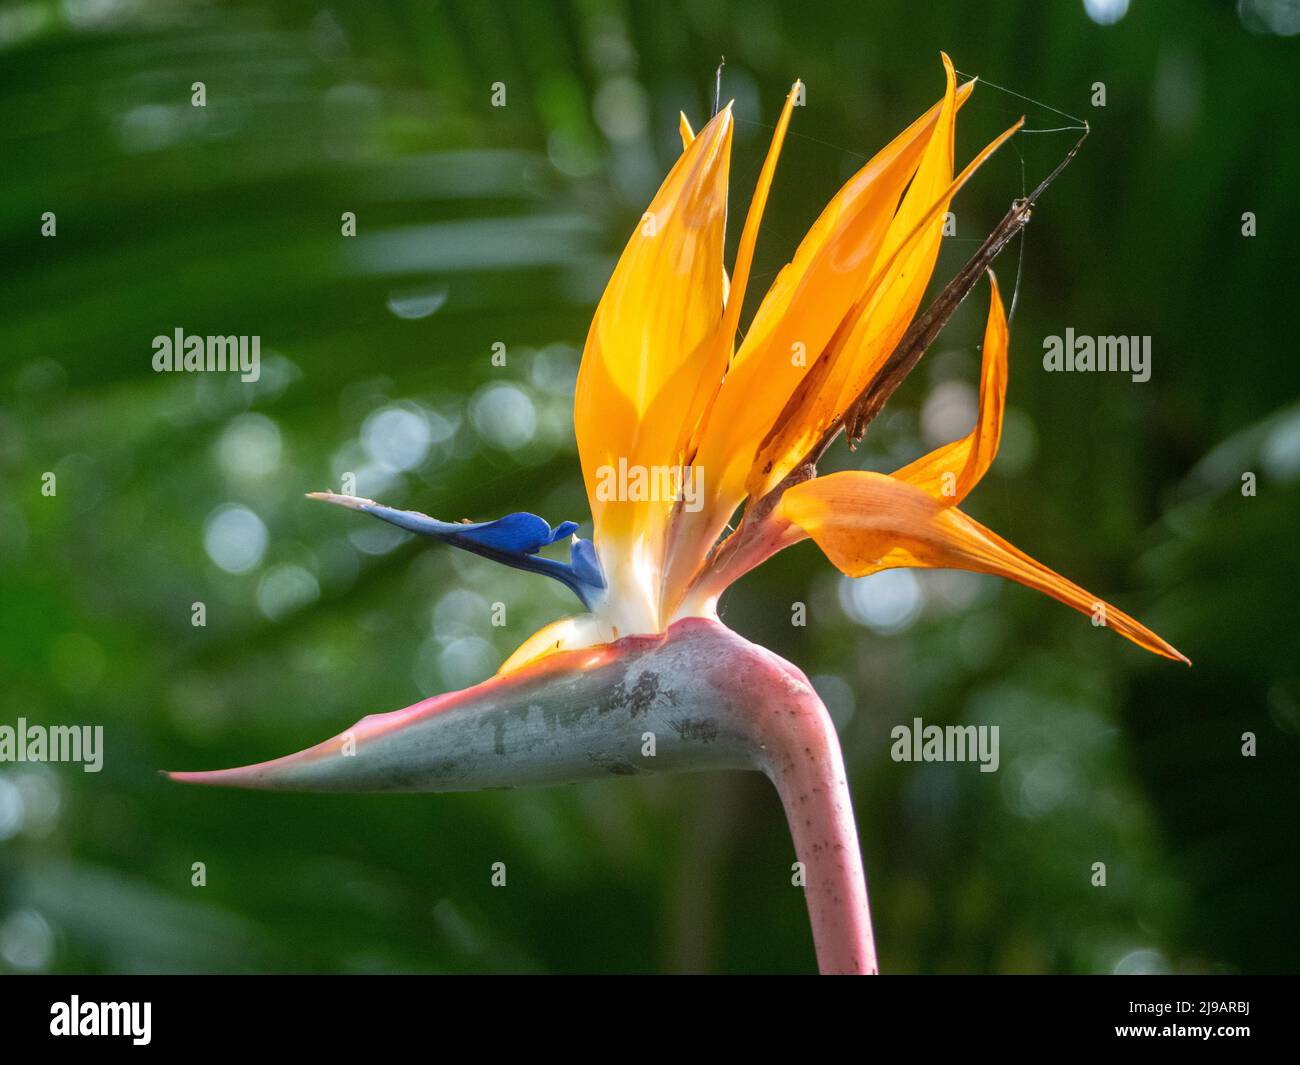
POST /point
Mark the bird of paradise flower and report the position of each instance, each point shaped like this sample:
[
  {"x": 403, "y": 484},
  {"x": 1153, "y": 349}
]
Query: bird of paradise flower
[{"x": 648, "y": 679}]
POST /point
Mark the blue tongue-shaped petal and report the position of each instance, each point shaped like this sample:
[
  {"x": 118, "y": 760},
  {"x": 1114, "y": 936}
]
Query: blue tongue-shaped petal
[
  {"x": 513, "y": 540},
  {"x": 519, "y": 532},
  {"x": 584, "y": 563}
]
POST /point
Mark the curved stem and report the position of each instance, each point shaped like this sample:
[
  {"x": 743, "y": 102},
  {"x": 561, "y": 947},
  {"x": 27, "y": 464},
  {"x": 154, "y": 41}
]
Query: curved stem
[{"x": 801, "y": 756}]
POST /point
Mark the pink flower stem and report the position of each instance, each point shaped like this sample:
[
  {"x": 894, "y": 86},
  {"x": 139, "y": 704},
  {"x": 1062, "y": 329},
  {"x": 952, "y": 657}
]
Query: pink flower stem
[{"x": 801, "y": 756}]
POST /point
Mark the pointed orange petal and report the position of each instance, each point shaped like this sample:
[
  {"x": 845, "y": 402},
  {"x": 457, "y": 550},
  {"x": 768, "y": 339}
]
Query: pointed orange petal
[
  {"x": 884, "y": 294},
  {"x": 716, "y": 366},
  {"x": 684, "y": 128},
  {"x": 867, "y": 522},
  {"x": 662, "y": 305},
  {"x": 813, "y": 292},
  {"x": 753, "y": 220},
  {"x": 949, "y": 473},
  {"x": 688, "y": 135},
  {"x": 865, "y": 339},
  {"x": 797, "y": 317}
]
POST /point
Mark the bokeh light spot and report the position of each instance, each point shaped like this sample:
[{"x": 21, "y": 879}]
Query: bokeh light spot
[{"x": 235, "y": 538}]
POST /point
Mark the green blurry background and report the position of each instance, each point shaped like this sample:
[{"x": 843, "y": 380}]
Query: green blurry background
[{"x": 480, "y": 225}]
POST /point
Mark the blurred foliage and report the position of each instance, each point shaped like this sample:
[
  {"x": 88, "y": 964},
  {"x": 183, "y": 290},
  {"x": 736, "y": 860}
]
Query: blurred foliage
[{"x": 480, "y": 225}]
